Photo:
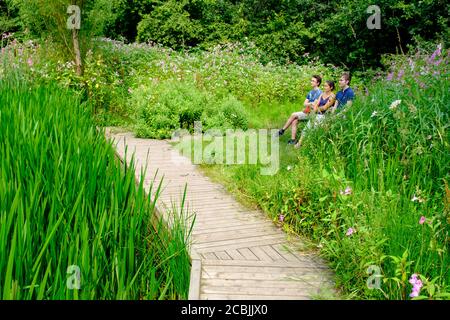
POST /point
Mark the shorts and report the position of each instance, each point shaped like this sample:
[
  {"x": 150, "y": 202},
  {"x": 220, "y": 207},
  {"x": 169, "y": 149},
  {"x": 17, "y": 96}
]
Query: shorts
[{"x": 301, "y": 115}]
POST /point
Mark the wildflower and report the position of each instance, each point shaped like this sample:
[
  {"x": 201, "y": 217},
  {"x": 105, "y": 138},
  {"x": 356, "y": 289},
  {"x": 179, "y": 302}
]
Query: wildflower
[
  {"x": 417, "y": 285},
  {"x": 346, "y": 192},
  {"x": 395, "y": 104},
  {"x": 374, "y": 114},
  {"x": 422, "y": 220},
  {"x": 437, "y": 52},
  {"x": 350, "y": 231},
  {"x": 413, "y": 279},
  {"x": 289, "y": 168},
  {"x": 390, "y": 76},
  {"x": 30, "y": 62},
  {"x": 400, "y": 74},
  {"x": 437, "y": 62},
  {"x": 281, "y": 218},
  {"x": 130, "y": 91}
]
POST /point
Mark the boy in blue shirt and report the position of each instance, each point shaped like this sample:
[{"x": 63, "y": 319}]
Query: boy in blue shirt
[
  {"x": 346, "y": 95},
  {"x": 312, "y": 96}
]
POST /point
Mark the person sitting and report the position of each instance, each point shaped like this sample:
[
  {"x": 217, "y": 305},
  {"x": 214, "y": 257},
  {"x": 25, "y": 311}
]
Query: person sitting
[
  {"x": 326, "y": 100},
  {"x": 311, "y": 98},
  {"x": 346, "y": 95}
]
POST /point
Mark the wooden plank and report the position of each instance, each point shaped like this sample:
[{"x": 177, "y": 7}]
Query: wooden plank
[
  {"x": 234, "y": 254},
  {"x": 307, "y": 278},
  {"x": 221, "y": 296},
  {"x": 300, "y": 270},
  {"x": 253, "y": 240},
  {"x": 272, "y": 253},
  {"x": 222, "y": 255},
  {"x": 249, "y": 263},
  {"x": 257, "y": 251},
  {"x": 289, "y": 283},
  {"x": 221, "y": 221},
  {"x": 285, "y": 252},
  {"x": 209, "y": 256},
  {"x": 236, "y": 234},
  {"x": 247, "y": 254},
  {"x": 239, "y": 245},
  {"x": 278, "y": 291},
  {"x": 194, "y": 284},
  {"x": 204, "y": 225},
  {"x": 240, "y": 226}
]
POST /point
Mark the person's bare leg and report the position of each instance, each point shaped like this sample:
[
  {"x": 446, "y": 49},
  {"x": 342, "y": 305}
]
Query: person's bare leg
[
  {"x": 289, "y": 121},
  {"x": 294, "y": 129}
]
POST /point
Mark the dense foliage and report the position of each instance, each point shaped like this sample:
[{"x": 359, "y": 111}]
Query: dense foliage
[{"x": 285, "y": 30}]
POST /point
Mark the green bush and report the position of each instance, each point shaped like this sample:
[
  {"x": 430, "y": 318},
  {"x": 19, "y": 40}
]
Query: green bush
[{"x": 164, "y": 108}]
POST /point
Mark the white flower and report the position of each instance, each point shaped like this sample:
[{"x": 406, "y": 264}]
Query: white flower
[
  {"x": 374, "y": 114},
  {"x": 414, "y": 199},
  {"x": 395, "y": 104},
  {"x": 289, "y": 168}
]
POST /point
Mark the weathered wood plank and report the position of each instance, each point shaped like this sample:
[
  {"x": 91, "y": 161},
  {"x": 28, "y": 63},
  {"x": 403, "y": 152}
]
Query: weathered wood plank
[
  {"x": 195, "y": 278},
  {"x": 289, "y": 283},
  {"x": 251, "y": 241},
  {"x": 222, "y": 255},
  {"x": 221, "y": 296}
]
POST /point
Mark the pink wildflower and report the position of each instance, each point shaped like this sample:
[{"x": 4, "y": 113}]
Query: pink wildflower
[
  {"x": 413, "y": 279},
  {"x": 350, "y": 231},
  {"x": 346, "y": 192},
  {"x": 390, "y": 76},
  {"x": 422, "y": 220},
  {"x": 281, "y": 218},
  {"x": 417, "y": 285}
]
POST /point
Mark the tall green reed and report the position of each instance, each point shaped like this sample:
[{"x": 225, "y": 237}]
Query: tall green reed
[{"x": 67, "y": 205}]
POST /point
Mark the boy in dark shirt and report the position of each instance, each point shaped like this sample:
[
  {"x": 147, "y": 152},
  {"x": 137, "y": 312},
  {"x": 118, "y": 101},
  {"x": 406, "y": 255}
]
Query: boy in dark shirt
[{"x": 346, "y": 95}]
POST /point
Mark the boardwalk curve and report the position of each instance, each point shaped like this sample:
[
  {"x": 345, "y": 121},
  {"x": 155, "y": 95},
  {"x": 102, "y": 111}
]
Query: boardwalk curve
[{"x": 236, "y": 253}]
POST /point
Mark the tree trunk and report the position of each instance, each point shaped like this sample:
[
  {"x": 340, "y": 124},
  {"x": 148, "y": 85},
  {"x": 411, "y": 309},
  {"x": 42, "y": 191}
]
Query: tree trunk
[{"x": 76, "y": 47}]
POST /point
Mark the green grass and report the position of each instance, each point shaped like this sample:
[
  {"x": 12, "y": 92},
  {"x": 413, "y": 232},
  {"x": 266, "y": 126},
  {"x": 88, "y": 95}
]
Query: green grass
[{"x": 66, "y": 200}]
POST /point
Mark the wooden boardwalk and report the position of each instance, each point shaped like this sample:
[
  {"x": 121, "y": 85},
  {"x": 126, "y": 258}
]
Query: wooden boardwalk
[{"x": 236, "y": 253}]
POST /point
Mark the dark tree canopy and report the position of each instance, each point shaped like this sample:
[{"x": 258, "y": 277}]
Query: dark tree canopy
[{"x": 285, "y": 30}]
